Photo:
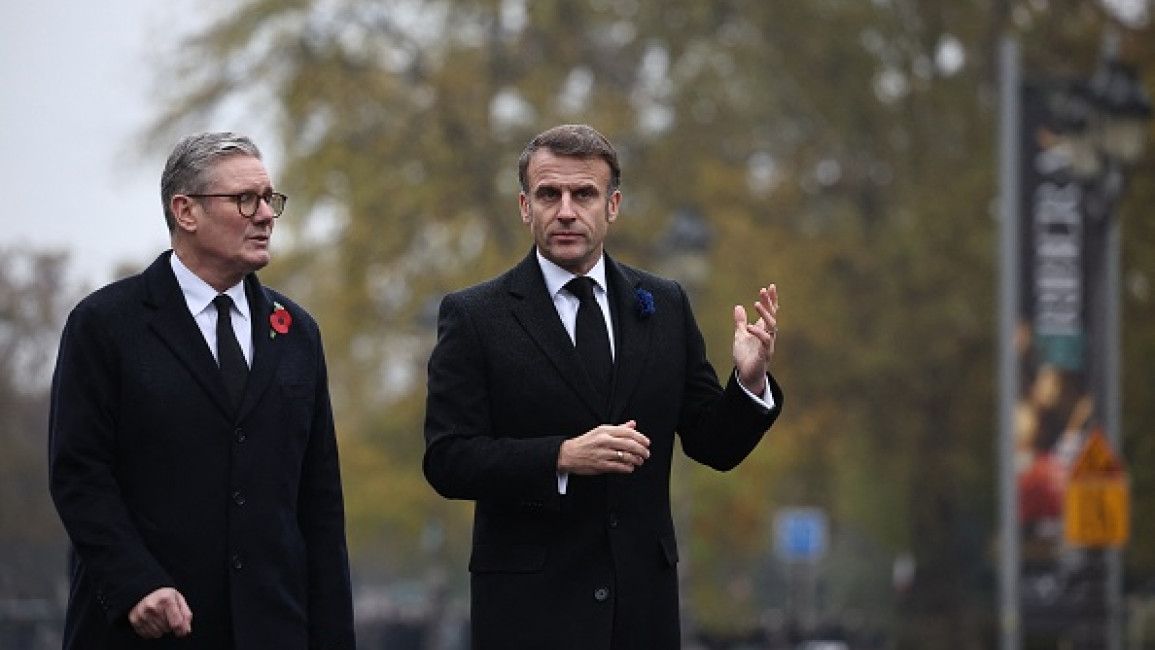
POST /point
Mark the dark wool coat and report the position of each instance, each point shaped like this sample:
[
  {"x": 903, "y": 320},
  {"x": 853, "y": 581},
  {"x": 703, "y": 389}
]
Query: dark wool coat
[
  {"x": 159, "y": 482},
  {"x": 598, "y": 565}
]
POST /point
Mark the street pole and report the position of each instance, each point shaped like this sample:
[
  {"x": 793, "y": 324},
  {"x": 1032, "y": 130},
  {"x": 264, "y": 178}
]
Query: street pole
[
  {"x": 1112, "y": 383},
  {"x": 1112, "y": 324},
  {"x": 1120, "y": 100},
  {"x": 1009, "y": 288}
]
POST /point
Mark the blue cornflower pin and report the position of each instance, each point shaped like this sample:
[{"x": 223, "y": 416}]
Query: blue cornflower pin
[{"x": 645, "y": 302}]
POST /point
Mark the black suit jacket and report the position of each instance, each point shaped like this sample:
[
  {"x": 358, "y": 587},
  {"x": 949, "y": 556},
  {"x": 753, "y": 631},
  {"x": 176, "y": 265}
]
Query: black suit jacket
[
  {"x": 598, "y": 565},
  {"x": 160, "y": 482}
]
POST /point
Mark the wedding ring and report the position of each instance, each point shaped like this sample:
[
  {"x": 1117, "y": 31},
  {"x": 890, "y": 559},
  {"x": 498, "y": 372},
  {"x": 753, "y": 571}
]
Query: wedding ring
[
  {"x": 773, "y": 330},
  {"x": 620, "y": 455}
]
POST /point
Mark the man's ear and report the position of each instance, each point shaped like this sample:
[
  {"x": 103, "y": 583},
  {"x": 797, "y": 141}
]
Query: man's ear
[
  {"x": 612, "y": 206},
  {"x": 183, "y": 212},
  {"x": 523, "y": 203}
]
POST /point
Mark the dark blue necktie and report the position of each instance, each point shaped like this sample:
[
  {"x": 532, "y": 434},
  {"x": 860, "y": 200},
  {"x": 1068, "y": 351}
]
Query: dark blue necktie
[
  {"x": 590, "y": 335},
  {"x": 234, "y": 369}
]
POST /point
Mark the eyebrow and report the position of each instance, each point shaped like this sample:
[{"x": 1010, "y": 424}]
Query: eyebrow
[{"x": 572, "y": 187}]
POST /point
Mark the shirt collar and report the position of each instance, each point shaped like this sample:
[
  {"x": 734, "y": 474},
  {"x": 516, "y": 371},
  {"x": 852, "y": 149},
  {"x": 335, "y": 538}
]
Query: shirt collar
[
  {"x": 556, "y": 277},
  {"x": 198, "y": 295}
]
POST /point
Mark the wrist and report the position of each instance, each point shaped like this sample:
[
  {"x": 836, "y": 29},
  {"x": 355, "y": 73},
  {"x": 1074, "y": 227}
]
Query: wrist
[
  {"x": 561, "y": 454},
  {"x": 756, "y": 384}
]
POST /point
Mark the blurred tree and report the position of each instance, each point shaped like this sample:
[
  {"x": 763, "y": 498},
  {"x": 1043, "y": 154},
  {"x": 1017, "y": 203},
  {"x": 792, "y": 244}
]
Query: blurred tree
[
  {"x": 33, "y": 299},
  {"x": 844, "y": 150},
  {"x": 1138, "y": 353}
]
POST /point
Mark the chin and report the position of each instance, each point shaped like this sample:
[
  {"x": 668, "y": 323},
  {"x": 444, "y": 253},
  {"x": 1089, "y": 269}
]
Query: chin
[
  {"x": 256, "y": 261},
  {"x": 568, "y": 258}
]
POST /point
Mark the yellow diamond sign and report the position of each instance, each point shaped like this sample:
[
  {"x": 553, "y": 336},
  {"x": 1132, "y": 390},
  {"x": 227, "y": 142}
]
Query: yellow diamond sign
[{"x": 1097, "y": 508}]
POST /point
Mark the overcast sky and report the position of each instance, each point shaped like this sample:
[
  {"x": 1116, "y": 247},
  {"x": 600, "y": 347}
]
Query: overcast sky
[{"x": 75, "y": 77}]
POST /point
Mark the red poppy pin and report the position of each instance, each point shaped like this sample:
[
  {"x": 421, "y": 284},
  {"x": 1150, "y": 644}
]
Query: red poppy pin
[{"x": 280, "y": 320}]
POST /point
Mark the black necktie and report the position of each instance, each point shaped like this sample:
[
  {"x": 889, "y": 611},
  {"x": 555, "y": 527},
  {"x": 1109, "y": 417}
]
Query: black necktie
[
  {"x": 590, "y": 335},
  {"x": 234, "y": 369}
]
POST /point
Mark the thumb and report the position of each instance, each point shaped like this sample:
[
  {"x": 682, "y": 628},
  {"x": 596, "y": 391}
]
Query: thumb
[{"x": 740, "y": 318}]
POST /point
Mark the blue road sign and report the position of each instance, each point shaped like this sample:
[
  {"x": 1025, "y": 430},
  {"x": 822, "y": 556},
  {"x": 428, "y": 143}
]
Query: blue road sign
[{"x": 800, "y": 534}]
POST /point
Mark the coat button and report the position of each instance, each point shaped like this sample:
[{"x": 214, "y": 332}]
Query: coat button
[
  {"x": 613, "y": 520},
  {"x": 237, "y": 562},
  {"x": 601, "y": 594},
  {"x": 239, "y": 433},
  {"x": 238, "y": 498}
]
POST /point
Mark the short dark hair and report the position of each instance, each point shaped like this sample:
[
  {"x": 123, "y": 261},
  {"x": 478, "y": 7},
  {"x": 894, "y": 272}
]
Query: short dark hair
[
  {"x": 190, "y": 165},
  {"x": 576, "y": 140}
]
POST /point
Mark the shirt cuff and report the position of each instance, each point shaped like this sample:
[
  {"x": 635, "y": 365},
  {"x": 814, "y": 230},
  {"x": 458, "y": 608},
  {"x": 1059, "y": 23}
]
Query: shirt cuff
[{"x": 766, "y": 400}]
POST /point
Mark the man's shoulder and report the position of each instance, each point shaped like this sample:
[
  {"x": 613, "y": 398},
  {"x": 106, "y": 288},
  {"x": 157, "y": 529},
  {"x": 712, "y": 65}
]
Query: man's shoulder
[
  {"x": 114, "y": 295},
  {"x": 488, "y": 287},
  {"x": 477, "y": 298},
  {"x": 511, "y": 280}
]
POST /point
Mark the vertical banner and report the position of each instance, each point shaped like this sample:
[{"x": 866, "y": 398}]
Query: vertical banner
[{"x": 1054, "y": 404}]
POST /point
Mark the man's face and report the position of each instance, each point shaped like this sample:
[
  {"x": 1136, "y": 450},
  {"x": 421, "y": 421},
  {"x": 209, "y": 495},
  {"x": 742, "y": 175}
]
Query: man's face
[
  {"x": 566, "y": 208},
  {"x": 223, "y": 245}
]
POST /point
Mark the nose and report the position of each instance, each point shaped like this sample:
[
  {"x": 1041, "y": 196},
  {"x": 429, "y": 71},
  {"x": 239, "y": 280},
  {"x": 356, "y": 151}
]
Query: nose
[
  {"x": 566, "y": 210},
  {"x": 264, "y": 211}
]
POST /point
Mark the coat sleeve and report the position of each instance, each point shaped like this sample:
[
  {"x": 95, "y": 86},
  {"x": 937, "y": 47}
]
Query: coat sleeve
[
  {"x": 321, "y": 516},
  {"x": 82, "y": 448},
  {"x": 719, "y": 431},
  {"x": 464, "y": 457}
]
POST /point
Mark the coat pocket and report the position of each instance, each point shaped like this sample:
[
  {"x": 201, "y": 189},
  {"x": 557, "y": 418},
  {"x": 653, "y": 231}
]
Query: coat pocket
[{"x": 513, "y": 558}]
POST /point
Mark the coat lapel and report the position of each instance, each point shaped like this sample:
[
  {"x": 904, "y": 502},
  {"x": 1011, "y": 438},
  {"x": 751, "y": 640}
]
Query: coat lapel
[
  {"x": 632, "y": 335},
  {"x": 533, "y": 308},
  {"x": 169, "y": 317},
  {"x": 267, "y": 350}
]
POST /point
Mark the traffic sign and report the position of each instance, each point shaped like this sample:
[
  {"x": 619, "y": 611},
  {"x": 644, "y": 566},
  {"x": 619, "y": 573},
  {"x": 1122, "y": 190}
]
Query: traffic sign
[
  {"x": 1096, "y": 459},
  {"x": 800, "y": 534},
  {"x": 1097, "y": 508}
]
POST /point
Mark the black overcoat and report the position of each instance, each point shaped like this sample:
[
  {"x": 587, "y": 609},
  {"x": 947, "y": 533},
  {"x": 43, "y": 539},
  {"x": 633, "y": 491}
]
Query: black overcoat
[
  {"x": 160, "y": 482},
  {"x": 597, "y": 565}
]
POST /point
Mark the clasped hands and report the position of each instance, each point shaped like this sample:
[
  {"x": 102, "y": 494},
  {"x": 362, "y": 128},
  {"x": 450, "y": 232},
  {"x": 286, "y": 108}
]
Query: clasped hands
[{"x": 618, "y": 449}]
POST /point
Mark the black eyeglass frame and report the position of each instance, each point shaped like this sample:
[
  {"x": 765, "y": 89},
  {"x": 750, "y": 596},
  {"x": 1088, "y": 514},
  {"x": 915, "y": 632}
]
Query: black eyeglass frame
[{"x": 276, "y": 201}]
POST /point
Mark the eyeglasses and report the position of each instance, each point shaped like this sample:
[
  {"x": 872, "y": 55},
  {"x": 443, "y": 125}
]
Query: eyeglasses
[{"x": 249, "y": 202}]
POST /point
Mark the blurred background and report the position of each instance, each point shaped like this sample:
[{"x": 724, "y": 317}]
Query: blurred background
[{"x": 847, "y": 150}]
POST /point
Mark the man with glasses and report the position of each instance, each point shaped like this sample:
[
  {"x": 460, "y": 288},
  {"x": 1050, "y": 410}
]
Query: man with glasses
[{"x": 192, "y": 453}]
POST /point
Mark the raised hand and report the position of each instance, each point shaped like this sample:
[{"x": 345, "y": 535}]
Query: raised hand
[{"x": 754, "y": 342}]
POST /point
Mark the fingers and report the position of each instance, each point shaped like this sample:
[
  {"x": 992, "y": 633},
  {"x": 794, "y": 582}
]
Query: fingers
[
  {"x": 606, "y": 449},
  {"x": 179, "y": 617},
  {"x": 766, "y": 329},
  {"x": 626, "y": 460},
  {"x": 767, "y": 309},
  {"x": 161, "y": 612},
  {"x": 625, "y": 448}
]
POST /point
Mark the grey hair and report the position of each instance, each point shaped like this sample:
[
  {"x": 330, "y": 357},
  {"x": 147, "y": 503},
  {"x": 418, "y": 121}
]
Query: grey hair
[
  {"x": 575, "y": 140},
  {"x": 190, "y": 165}
]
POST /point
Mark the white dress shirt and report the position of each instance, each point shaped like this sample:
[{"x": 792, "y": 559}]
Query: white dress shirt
[
  {"x": 198, "y": 295},
  {"x": 567, "y": 304}
]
